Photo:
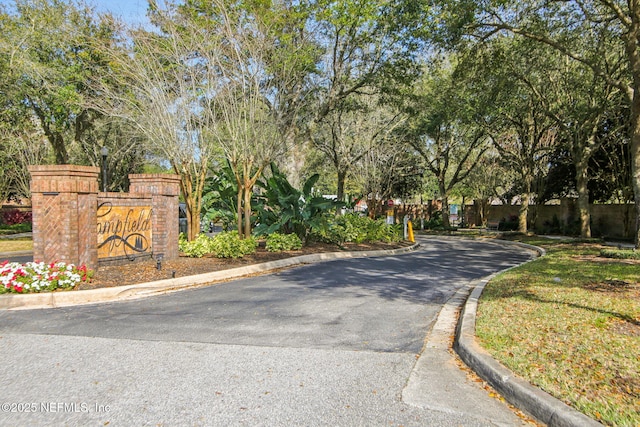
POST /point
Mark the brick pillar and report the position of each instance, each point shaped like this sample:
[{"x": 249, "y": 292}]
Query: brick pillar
[
  {"x": 164, "y": 190},
  {"x": 65, "y": 200}
]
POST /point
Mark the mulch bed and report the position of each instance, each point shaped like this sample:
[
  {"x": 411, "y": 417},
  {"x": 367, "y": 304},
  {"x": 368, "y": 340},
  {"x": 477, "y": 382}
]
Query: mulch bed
[{"x": 146, "y": 271}]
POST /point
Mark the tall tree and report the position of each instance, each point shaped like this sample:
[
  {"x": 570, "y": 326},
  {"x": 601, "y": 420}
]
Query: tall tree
[
  {"x": 47, "y": 47},
  {"x": 579, "y": 104},
  {"x": 168, "y": 99},
  {"x": 378, "y": 173},
  {"x": 524, "y": 142},
  {"x": 21, "y": 147},
  {"x": 244, "y": 128},
  {"x": 354, "y": 131},
  {"x": 516, "y": 79},
  {"x": 291, "y": 54},
  {"x": 574, "y": 28},
  {"x": 263, "y": 64},
  {"x": 370, "y": 48},
  {"x": 566, "y": 91},
  {"x": 444, "y": 131}
]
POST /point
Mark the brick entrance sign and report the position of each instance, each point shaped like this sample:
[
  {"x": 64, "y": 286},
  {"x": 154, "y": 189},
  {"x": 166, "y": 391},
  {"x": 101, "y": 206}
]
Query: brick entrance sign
[{"x": 75, "y": 223}]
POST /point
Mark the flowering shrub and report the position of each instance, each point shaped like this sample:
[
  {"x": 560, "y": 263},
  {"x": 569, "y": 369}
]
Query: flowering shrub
[
  {"x": 15, "y": 216},
  {"x": 40, "y": 277}
]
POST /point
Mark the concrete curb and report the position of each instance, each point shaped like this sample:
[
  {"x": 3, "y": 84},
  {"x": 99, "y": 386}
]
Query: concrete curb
[
  {"x": 516, "y": 391},
  {"x": 4, "y": 255},
  {"x": 16, "y": 236},
  {"x": 120, "y": 293}
]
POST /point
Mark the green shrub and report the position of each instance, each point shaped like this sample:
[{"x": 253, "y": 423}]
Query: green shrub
[
  {"x": 285, "y": 209},
  {"x": 360, "y": 229},
  {"x": 380, "y": 231},
  {"x": 509, "y": 224},
  {"x": 355, "y": 228},
  {"x": 229, "y": 245},
  {"x": 224, "y": 245},
  {"x": 620, "y": 253},
  {"x": 15, "y": 228},
  {"x": 331, "y": 231},
  {"x": 220, "y": 198},
  {"x": 435, "y": 222},
  {"x": 277, "y": 242},
  {"x": 196, "y": 248}
]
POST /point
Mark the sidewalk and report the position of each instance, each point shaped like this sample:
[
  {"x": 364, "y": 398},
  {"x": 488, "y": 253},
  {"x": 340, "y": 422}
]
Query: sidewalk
[
  {"x": 620, "y": 245},
  {"x": 15, "y": 236}
]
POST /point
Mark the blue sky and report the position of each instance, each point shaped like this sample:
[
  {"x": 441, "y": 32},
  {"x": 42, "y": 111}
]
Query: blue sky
[{"x": 131, "y": 11}]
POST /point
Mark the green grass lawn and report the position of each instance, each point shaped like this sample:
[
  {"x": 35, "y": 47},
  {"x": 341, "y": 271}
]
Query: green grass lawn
[
  {"x": 16, "y": 245},
  {"x": 570, "y": 324}
]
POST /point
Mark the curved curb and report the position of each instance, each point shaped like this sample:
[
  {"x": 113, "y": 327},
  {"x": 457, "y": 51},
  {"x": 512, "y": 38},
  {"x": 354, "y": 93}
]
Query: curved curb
[
  {"x": 127, "y": 292},
  {"x": 516, "y": 391}
]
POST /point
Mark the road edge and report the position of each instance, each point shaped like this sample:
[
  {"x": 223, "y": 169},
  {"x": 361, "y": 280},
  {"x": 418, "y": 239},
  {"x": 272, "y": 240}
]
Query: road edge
[{"x": 141, "y": 290}]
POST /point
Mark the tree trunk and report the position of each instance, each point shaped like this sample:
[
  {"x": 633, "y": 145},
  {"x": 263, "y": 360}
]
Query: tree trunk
[
  {"x": 194, "y": 223},
  {"x": 631, "y": 39},
  {"x": 195, "y": 202},
  {"x": 523, "y": 213},
  {"x": 193, "y": 216},
  {"x": 374, "y": 206},
  {"x": 582, "y": 179},
  {"x": 480, "y": 212},
  {"x": 239, "y": 206},
  {"x": 186, "y": 189},
  {"x": 342, "y": 175},
  {"x": 192, "y": 195},
  {"x": 247, "y": 209},
  {"x": 57, "y": 142},
  {"x": 445, "y": 210},
  {"x": 635, "y": 163}
]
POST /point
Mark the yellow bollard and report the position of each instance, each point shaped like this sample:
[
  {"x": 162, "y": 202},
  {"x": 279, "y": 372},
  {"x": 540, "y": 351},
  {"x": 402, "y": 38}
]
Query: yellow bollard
[{"x": 410, "y": 232}]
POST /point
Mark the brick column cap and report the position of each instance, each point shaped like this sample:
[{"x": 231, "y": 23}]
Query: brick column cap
[
  {"x": 64, "y": 179},
  {"x": 49, "y": 171},
  {"x": 154, "y": 177},
  {"x": 156, "y": 183}
]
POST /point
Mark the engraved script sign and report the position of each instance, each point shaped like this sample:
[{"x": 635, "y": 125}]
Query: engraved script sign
[{"x": 123, "y": 231}]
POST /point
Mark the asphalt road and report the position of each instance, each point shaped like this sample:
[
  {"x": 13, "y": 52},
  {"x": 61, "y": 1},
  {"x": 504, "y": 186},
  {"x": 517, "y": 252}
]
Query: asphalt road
[
  {"x": 332, "y": 343},
  {"x": 22, "y": 259}
]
